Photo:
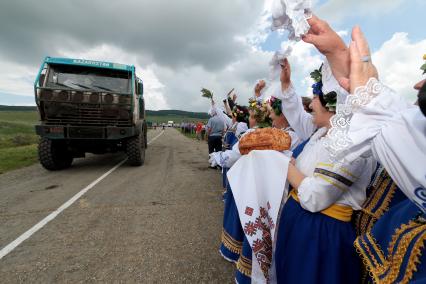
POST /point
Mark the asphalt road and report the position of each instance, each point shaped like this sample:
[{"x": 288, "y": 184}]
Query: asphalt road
[{"x": 159, "y": 223}]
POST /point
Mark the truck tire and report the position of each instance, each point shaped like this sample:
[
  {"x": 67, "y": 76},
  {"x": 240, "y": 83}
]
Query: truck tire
[
  {"x": 135, "y": 150},
  {"x": 145, "y": 134},
  {"x": 53, "y": 155}
]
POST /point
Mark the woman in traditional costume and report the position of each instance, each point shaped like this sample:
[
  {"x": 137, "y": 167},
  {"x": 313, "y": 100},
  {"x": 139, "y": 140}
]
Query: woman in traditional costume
[
  {"x": 244, "y": 263},
  {"x": 232, "y": 135},
  {"x": 376, "y": 121},
  {"x": 232, "y": 233},
  {"x": 315, "y": 236},
  {"x": 385, "y": 125}
]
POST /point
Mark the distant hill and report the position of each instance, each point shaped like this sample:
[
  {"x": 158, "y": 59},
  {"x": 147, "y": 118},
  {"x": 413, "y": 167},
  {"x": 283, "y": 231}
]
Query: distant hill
[
  {"x": 154, "y": 115},
  {"x": 200, "y": 115},
  {"x": 18, "y": 108}
]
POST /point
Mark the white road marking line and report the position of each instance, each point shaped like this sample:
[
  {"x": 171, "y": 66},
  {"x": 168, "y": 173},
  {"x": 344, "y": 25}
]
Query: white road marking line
[{"x": 10, "y": 247}]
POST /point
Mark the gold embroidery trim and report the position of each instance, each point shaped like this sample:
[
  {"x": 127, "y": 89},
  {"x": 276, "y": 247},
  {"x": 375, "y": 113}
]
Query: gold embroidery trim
[
  {"x": 231, "y": 244},
  {"x": 244, "y": 265},
  {"x": 391, "y": 266},
  {"x": 364, "y": 223}
]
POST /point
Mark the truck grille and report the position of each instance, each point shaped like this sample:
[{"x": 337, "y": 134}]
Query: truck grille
[
  {"x": 57, "y": 113},
  {"x": 81, "y": 132}
]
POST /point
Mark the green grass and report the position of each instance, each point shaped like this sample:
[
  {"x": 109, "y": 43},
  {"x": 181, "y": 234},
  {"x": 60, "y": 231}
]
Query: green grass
[
  {"x": 17, "y": 128},
  {"x": 17, "y": 157},
  {"x": 18, "y": 141}
]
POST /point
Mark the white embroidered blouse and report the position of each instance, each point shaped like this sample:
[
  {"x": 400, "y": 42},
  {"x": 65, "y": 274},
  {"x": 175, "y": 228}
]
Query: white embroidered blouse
[
  {"x": 376, "y": 121},
  {"x": 325, "y": 183}
]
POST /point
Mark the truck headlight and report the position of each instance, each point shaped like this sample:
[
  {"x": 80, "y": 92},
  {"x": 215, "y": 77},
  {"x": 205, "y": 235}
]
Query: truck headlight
[
  {"x": 78, "y": 97},
  {"x": 63, "y": 96},
  {"x": 94, "y": 98},
  {"x": 46, "y": 95},
  {"x": 108, "y": 98}
]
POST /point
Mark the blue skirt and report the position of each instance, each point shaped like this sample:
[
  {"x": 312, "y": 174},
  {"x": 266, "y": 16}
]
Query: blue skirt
[
  {"x": 244, "y": 263},
  {"x": 232, "y": 231},
  {"x": 314, "y": 248},
  {"x": 224, "y": 177}
]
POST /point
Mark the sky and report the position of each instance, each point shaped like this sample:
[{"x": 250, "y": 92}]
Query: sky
[{"x": 179, "y": 47}]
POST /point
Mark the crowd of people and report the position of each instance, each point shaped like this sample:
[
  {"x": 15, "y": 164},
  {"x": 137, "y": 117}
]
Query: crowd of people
[{"x": 346, "y": 202}]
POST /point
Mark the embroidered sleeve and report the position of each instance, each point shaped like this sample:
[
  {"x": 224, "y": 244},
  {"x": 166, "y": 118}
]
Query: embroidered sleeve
[
  {"x": 328, "y": 184},
  {"x": 297, "y": 117},
  {"x": 339, "y": 141}
]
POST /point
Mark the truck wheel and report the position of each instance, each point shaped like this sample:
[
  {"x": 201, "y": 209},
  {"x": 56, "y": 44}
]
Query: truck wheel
[
  {"x": 145, "y": 138},
  {"x": 53, "y": 155},
  {"x": 135, "y": 150}
]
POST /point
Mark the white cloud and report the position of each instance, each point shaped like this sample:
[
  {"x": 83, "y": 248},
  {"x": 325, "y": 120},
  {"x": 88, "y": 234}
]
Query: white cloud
[
  {"x": 336, "y": 10},
  {"x": 17, "y": 79},
  {"x": 398, "y": 62}
]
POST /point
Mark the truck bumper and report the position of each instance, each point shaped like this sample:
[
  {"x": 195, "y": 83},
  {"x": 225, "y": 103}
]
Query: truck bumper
[{"x": 85, "y": 132}]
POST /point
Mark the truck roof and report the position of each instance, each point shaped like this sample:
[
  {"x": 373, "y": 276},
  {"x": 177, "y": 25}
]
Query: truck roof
[{"x": 89, "y": 63}]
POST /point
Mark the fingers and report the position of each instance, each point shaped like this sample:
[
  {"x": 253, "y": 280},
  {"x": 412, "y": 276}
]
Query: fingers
[
  {"x": 311, "y": 38},
  {"x": 344, "y": 83},
  {"x": 356, "y": 66},
  {"x": 361, "y": 41},
  {"x": 316, "y": 24}
]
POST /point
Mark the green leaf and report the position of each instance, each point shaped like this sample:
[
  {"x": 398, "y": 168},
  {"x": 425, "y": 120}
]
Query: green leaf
[
  {"x": 423, "y": 68},
  {"x": 316, "y": 75},
  {"x": 206, "y": 93}
]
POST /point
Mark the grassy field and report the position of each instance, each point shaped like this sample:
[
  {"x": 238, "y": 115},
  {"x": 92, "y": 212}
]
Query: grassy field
[{"x": 18, "y": 141}]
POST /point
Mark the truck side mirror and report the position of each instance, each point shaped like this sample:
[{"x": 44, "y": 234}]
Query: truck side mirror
[{"x": 140, "y": 88}]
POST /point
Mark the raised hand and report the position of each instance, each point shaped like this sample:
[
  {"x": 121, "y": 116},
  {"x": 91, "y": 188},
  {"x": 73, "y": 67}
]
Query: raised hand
[
  {"x": 329, "y": 43},
  {"x": 285, "y": 76},
  {"x": 258, "y": 88},
  {"x": 361, "y": 66}
]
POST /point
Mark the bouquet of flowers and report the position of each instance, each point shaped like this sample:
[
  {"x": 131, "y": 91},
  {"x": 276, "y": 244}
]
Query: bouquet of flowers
[{"x": 260, "y": 111}]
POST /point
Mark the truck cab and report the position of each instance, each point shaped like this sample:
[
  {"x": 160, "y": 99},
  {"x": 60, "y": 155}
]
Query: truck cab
[{"x": 88, "y": 106}]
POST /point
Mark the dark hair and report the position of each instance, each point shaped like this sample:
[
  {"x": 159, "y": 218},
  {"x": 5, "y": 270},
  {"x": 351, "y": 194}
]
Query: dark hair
[
  {"x": 275, "y": 104},
  {"x": 422, "y": 99},
  {"x": 306, "y": 102},
  {"x": 240, "y": 113}
]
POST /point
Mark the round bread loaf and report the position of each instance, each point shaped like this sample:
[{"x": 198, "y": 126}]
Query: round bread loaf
[{"x": 265, "y": 139}]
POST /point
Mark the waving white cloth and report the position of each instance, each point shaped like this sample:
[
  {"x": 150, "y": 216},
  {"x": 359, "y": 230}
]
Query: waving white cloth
[
  {"x": 377, "y": 121},
  {"x": 276, "y": 61},
  {"x": 258, "y": 182},
  {"x": 291, "y": 15}
]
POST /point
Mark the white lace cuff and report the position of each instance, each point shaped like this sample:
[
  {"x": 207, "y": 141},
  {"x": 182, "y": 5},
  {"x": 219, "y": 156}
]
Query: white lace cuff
[{"x": 338, "y": 141}]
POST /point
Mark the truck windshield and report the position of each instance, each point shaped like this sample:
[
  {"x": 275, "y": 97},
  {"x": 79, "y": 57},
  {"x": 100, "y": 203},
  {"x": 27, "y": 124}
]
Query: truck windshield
[{"x": 88, "y": 78}]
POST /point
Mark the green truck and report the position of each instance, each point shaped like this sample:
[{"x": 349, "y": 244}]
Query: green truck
[{"x": 88, "y": 106}]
